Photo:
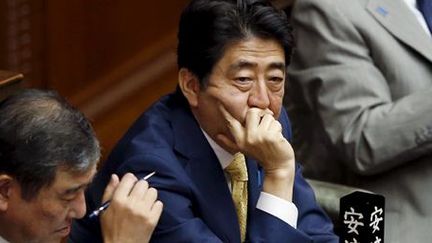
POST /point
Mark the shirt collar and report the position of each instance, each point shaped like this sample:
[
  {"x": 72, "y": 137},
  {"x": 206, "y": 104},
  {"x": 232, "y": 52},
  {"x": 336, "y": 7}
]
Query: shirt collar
[
  {"x": 223, "y": 156},
  {"x": 411, "y": 3}
]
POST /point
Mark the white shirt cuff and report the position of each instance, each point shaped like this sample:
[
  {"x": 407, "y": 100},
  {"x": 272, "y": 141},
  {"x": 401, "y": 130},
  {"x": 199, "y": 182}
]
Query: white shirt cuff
[{"x": 278, "y": 207}]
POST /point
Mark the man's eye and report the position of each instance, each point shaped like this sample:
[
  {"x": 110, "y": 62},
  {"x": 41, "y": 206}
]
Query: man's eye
[
  {"x": 68, "y": 199},
  {"x": 243, "y": 79},
  {"x": 276, "y": 79}
]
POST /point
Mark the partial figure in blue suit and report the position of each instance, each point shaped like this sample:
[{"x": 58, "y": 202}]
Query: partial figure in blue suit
[{"x": 232, "y": 60}]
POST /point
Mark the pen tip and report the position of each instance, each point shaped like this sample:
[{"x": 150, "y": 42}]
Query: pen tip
[{"x": 93, "y": 214}]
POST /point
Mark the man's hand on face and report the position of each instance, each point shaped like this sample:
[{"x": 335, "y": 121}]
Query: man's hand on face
[{"x": 261, "y": 138}]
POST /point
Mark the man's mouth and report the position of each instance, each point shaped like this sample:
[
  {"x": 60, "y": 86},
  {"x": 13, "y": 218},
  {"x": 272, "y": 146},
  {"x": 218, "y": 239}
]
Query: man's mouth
[{"x": 64, "y": 231}]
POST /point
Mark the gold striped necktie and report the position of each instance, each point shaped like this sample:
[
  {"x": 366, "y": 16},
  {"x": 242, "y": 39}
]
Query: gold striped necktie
[{"x": 239, "y": 177}]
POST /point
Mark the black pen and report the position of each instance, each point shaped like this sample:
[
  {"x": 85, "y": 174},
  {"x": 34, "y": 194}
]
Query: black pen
[{"x": 106, "y": 204}]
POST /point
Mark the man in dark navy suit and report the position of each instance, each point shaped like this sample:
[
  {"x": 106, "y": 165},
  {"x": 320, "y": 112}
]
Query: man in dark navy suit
[
  {"x": 48, "y": 156},
  {"x": 232, "y": 61}
]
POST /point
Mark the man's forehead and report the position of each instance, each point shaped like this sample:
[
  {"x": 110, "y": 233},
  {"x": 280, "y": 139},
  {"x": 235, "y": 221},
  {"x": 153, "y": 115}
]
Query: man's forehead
[
  {"x": 242, "y": 63},
  {"x": 243, "y": 50},
  {"x": 256, "y": 44},
  {"x": 69, "y": 178}
]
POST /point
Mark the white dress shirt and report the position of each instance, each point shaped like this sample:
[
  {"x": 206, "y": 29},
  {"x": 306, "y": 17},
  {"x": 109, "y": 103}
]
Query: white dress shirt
[
  {"x": 412, "y": 5},
  {"x": 278, "y": 207}
]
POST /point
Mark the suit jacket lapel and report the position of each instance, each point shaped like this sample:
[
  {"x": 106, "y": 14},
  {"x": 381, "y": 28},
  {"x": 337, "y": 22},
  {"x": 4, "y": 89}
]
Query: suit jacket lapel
[
  {"x": 214, "y": 197},
  {"x": 401, "y": 23}
]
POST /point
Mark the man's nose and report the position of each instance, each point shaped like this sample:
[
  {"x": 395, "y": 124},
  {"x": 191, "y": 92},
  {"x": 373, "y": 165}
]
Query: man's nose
[
  {"x": 78, "y": 207},
  {"x": 259, "y": 96}
]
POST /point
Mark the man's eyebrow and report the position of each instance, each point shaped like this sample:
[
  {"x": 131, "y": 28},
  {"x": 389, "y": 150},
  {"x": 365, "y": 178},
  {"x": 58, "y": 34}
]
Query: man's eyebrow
[
  {"x": 277, "y": 65},
  {"x": 246, "y": 64},
  {"x": 241, "y": 64},
  {"x": 75, "y": 189}
]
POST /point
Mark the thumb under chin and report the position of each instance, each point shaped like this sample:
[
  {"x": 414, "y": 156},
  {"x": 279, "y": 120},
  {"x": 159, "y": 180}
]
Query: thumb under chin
[{"x": 226, "y": 143}]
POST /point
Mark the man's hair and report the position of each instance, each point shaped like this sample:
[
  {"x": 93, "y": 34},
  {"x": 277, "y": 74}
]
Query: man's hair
[
  {"x": 39, "y": 133},
  {"x": 207, "y": 27}
]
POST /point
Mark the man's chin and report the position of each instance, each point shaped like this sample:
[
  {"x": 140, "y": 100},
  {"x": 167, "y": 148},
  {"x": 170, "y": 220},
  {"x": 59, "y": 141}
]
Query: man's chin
[
  {"x": 55, "y": 237},
  {"x": 51, "y": 239},
  {"x": 221, "y": 142}
]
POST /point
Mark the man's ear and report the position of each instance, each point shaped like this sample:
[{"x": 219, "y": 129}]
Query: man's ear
[
  {"x": 189, "y": 85},
  {"x": 5, "y": 191}
]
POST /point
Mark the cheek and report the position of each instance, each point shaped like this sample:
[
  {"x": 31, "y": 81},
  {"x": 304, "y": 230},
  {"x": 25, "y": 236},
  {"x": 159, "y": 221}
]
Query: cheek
[
  {"x": 223, "y": 93},
  {"x": 54, "y": 213},
  {"x": 234, "y": 100},
  {"x": 40, "y": 222},
  {"x": 237, "y": 104},
  {"x": 276, "y": 101}
]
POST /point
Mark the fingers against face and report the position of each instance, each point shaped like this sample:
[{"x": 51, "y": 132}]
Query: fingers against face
[
  {"x": 234, "y": 127},
  {"x": 253, "y": 118},
  {"x": 276, "y": 126},
  {"x": 233, "y": 124},
  {"x": 257, "y": 121}
]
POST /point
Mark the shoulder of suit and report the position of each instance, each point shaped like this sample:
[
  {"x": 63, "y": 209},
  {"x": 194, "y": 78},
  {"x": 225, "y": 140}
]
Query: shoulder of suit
[{"x": 332, "y": 5}]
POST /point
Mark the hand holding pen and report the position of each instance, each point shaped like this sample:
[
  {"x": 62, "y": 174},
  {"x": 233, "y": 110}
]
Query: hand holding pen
[
  {"x": 106, "y": 204},
  {"x": 133, "y": 210}
]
